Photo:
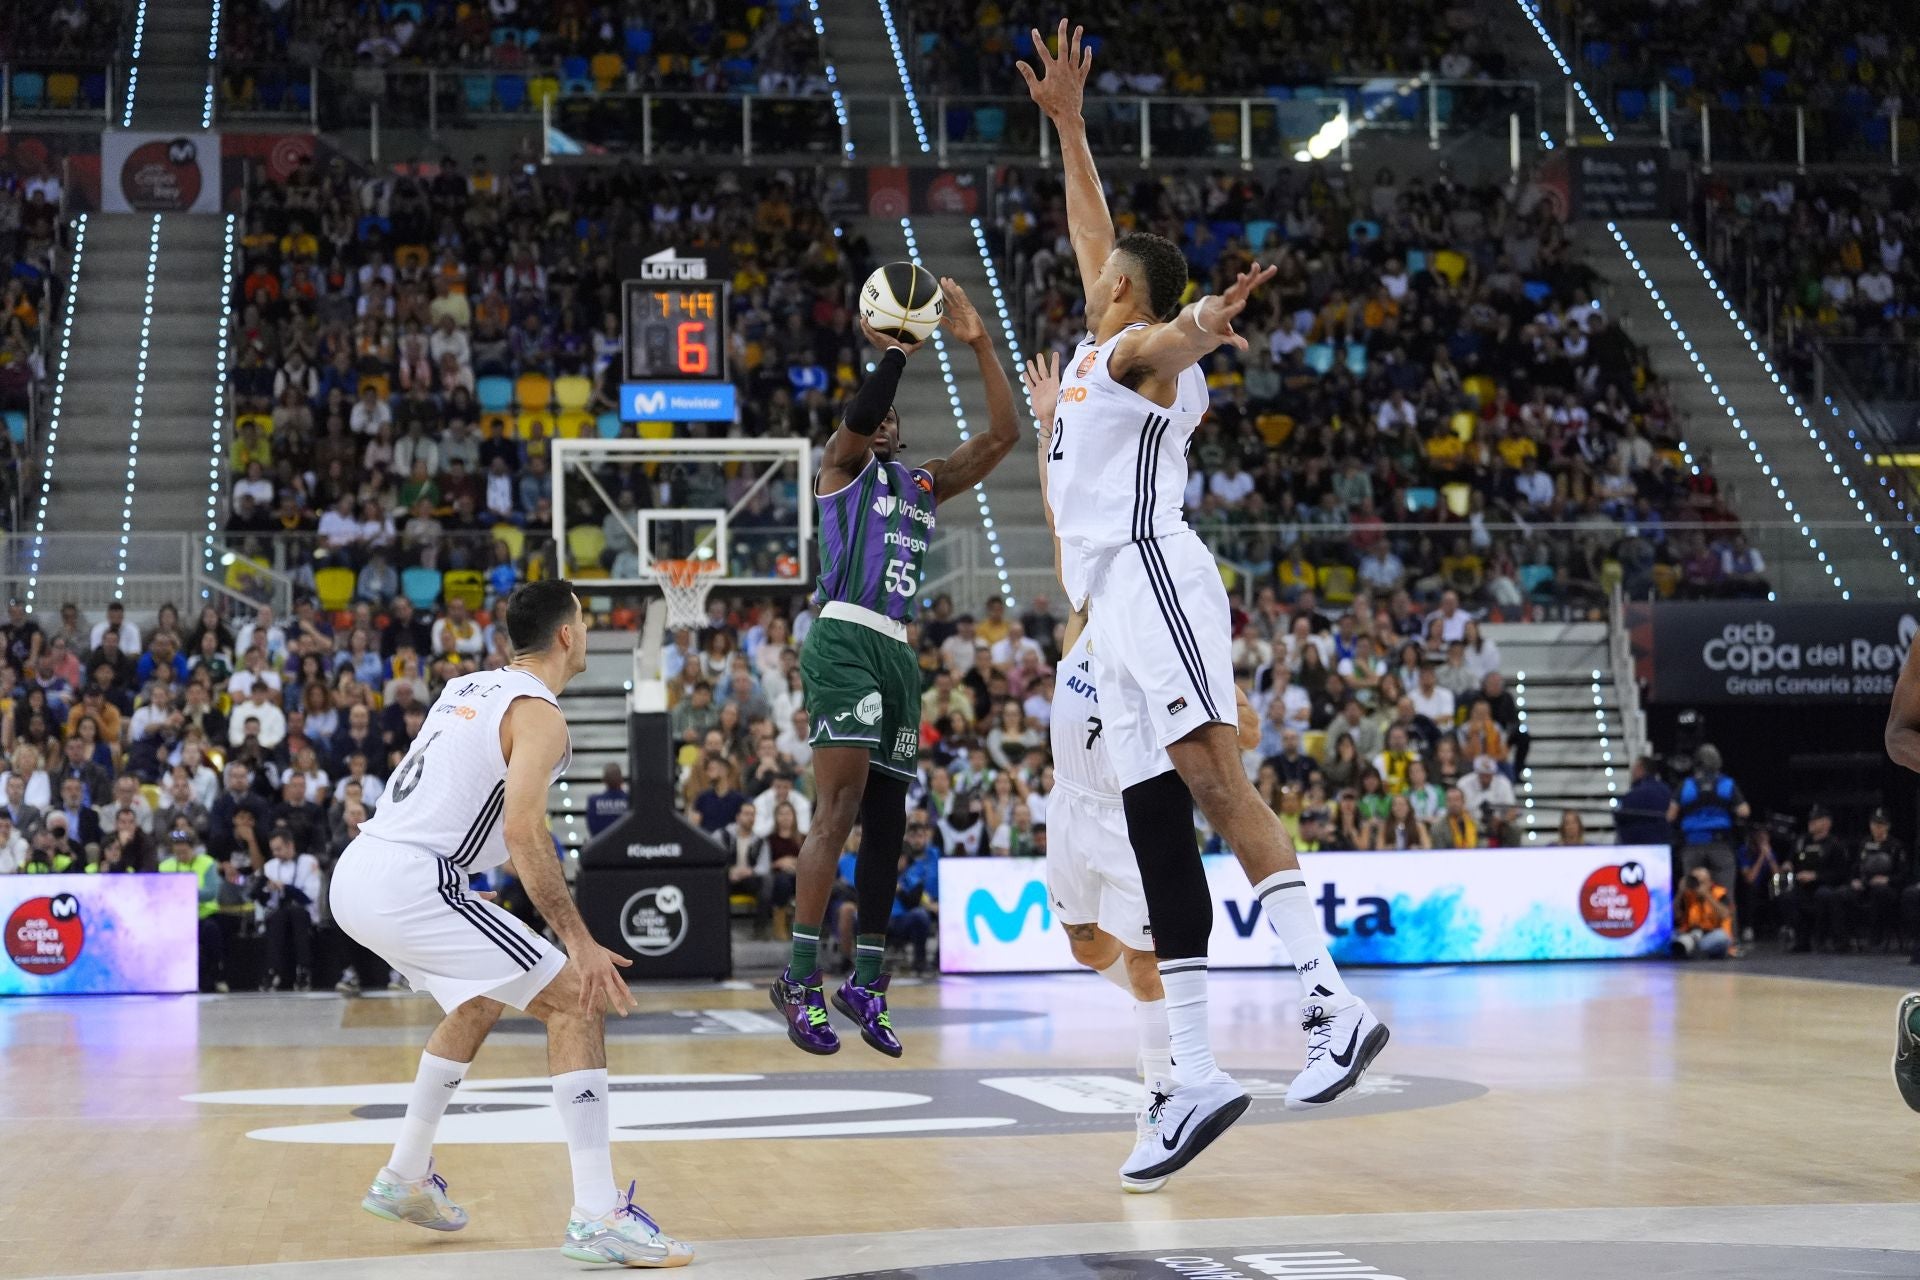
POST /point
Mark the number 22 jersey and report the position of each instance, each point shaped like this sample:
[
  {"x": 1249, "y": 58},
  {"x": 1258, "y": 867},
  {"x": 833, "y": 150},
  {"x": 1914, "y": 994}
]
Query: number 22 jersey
[{"x": 446, "y": 797}]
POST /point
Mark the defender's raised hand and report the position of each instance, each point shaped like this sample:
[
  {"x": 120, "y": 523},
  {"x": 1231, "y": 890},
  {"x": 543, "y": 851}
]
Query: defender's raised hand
[
  {"x": 1042, "y": 378},
  {"x": 962, "y": 321},
  {"x": 1215, "y": 314},
  {"x": 1061, "y": 85}
]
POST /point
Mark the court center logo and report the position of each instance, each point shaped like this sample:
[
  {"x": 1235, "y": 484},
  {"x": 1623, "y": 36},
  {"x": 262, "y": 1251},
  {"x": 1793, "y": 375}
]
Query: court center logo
[
  {"x": 811, "y": 1104},
  {"x": 984, "y": 908},
  {"x": 1614, "y": 900},
  {"x": 45, "y": 935},
  {"x": 654, "y": 921}
]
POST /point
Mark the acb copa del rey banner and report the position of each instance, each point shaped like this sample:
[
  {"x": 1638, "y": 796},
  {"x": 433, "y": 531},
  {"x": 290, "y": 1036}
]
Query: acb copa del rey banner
[
  {"x": 159, "y": 172},
  {"x": 1752, "y": 651},
  {"x": 1440, "y": 906}
]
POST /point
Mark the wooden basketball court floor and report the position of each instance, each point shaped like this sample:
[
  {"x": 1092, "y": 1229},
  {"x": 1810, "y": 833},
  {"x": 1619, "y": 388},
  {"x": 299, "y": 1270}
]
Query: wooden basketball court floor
[{"x": 1591, "y": 1121}]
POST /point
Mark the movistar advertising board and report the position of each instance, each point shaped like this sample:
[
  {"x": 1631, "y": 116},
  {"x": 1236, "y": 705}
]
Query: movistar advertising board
[{"x": 1450, "y": 906}]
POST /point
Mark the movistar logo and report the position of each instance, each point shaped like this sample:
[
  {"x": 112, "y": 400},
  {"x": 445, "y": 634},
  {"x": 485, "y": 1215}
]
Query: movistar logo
[{"x": 1006, "y": 925}]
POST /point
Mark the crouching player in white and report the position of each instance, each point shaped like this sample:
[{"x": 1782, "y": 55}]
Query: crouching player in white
[
  {"x": 1092, "y": 873},
  {"x": 470, "y": 794}
]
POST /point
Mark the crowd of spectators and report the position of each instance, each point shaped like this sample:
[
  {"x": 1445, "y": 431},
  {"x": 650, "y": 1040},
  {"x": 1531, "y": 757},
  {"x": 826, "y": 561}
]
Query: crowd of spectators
[
  {"x": 1191, "y": 50},
  {"x": 29, "y": 244},
  {"x": 1826, "y": 258},
  {"x": 408, "y": 345},
  {"x": 705, "y": 46},
  {"x": 1431, "y": 398},
  {"x": 75, "y": 30},
  {"x": 1854, "y": 63}
]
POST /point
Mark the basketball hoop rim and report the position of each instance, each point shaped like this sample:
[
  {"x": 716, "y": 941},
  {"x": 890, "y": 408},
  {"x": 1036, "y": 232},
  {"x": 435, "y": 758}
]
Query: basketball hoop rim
[{"x": 683, "y": 573}]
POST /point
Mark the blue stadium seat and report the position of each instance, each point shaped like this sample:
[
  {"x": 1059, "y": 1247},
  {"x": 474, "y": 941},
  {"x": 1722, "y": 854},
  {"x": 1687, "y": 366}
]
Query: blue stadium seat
[
  {"x": 29, "y": 89},
  {"x": 1422, "y": 499},
  {"x": 1357, "y": 359},
  {"x": 608, "y": 424},
  {"x": 1280, "y": 92},
  {"x": 479, "y": 91},
  {"x": 1598, "y": 53},
  {"x": 300, "y": 94},
  {"x": 510, "y": 91},
  {"x": 579, "y": 87},
  {"x": 1681, "y": 76},
  {"x": 1319, "y": 358},
  {"x": 407, "y": 7},
  {"x": 574, "y": 68},
  {"x": 1257, "y": 233},
  {"x": 1363, "y": 231},
  {"x": 990, "y": 124},
  {"x": 494, "y": 394},
  {"x": 1537, "y": 291},
  {"x": 1633, "y": 104},
  {"x": 639, "y": 41},
  {"x": 93, "y": 89},
  {"x": 16, "y": 426},
  {"x": 1534, "y": 576},
  {"x": 421, "y": 585}
]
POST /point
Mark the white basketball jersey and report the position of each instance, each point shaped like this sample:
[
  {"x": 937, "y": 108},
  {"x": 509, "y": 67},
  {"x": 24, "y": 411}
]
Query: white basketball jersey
[
  {"x": 446, "y": 797},
  {"x": 1079, "y": 756},
  {"x": 1117, "y": 462}
]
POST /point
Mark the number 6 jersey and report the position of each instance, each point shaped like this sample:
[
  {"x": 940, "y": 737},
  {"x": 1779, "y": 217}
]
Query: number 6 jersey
[{"x": 445, "y": 799}]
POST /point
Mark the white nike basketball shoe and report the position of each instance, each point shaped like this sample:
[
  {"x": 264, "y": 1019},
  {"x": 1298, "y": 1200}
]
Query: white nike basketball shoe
[
  {"x": 1343, "y": 1039},
  {"x": 1178, "y": 1126}
]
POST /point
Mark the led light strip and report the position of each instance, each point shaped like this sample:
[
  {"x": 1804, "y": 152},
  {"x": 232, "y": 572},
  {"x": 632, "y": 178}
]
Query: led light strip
[
  {"x": 1893, "y": 494},
  {"x": 960, "y": 421},
  {"x": 216, "y": 489},
  {"x": 133, "y": 69},
  {"x": 1526, "y": 775},
  {"x": 53, "y": 414},
  {"x": 1713, "y": 388},
  {"x": 1606, "y": 741},
  {"x": 999, "y": 298},
  {"x": 139, "y": 407},
  {"x": 1779, "y": 384},
  {"x": 906, "y": 76},
  {"x": 213, "y": 54},
  {"x": 833, "y": 77},
  {"x": 1528, "y": 11}
]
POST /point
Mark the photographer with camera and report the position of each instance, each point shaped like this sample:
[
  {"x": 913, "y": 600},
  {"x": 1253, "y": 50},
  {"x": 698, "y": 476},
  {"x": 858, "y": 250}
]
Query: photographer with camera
[{"x": 288, "y": 893}]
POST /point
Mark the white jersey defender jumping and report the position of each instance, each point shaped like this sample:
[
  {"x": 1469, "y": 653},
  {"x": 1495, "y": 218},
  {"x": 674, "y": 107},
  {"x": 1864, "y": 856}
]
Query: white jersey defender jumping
[
  {"x": 1129, "y": 399},
  {"x": 471, "y": 794}
]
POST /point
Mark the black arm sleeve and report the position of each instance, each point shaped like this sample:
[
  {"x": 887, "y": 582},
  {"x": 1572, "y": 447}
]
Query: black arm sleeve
[{"x": 875, "y": 396}]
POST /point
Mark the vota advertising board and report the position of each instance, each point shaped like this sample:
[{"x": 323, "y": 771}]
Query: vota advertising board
[
  {"x": 98, "y": 935},
  {"x": 1451, "y": 906}
]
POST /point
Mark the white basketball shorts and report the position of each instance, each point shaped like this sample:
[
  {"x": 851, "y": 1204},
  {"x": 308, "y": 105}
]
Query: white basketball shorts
[
  {"x": 1163, "y": 645},
  {"x": 413, "y": 910},
  {"x": 1091, "y": 872}
]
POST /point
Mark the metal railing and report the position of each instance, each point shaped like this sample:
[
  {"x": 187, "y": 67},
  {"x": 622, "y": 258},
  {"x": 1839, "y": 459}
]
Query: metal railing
[
  {"x": 1764, "y": 137},
  {"x": 1626, "y": 684}
]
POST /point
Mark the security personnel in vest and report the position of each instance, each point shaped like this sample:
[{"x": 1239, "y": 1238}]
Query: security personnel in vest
[
  {"x": 1822, "y": 876},
  {"x": 1878, "y": 876},
  {"x": 1706, "y": 808},
  {"x": 184, "y": 856}
]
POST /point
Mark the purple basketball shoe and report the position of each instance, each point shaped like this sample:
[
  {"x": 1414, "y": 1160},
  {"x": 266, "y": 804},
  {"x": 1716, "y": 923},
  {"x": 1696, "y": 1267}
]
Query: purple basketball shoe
[
  {"x": 804, "y": 1005},
  {"x": 868, "y": 1007}
]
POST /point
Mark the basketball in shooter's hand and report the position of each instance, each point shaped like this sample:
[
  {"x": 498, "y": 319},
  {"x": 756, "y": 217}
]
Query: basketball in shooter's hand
[{"x": 884, "y": 342}]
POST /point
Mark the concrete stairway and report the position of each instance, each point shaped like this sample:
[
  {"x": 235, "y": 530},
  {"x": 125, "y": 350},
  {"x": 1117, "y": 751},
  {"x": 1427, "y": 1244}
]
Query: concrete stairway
[
  {"x": 1575, "y": 720},
  {"x": 86, "y": 467},
  {"x": 1818, "y": 495},
  {"x": 863, "y": 66},
  {"x": 596, "y": 708},
  {"x": 176, "y": 430},
  {"x": 172, "y": 87}
]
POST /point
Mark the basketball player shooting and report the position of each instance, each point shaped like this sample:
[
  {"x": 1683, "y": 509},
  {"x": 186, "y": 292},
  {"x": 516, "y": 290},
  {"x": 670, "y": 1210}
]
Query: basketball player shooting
[
  {"x": 863, "y": 678},
  {"x": 1159, "y": 622},
  {"x": 471, "y": 794}
]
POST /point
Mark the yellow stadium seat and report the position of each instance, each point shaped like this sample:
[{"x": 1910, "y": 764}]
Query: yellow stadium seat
[
  {"x": 1336, "y": 583},
  {"x": 572, "y": 391},
  {"x": 589, "y": 572},
  {"x": 262, "y": 422},
  {"x": 1462, "y": 424},
  {"x": 378, "y": 381},
  {"x": 244, "y": 575},
  {"x": 533, "y": 391},
  {"x": 411, "y": 257},
  {"x": 577, "y": 424},
  {"x": 1666, "y": 580},
  {"x": 335, "y": 587},
  {"x": 1274, "y": 428},
  {"x": 585, "y": 542},
  {"x": 606, "y": 68},
  {"x": 513, "y": 536},
  {"x": 464, "y": 585},
  {"x": 541, "y": 88},
  {"x": 1458, "y": 497},
  {"x": 656, "y": 430},
  {"x": 736, "y": 41},
  {"x": 532, "y": 422},
  {"x": 63, "y": 90},
  {"x": 488, "y": 419},
  {"x": 1313, "y": 743},
  {"x": 1480, "y": 387},
  {"x": 1451, "y": 264},
  {"x": 150, "y": 792},
  {"x": 216, "y": 758}
]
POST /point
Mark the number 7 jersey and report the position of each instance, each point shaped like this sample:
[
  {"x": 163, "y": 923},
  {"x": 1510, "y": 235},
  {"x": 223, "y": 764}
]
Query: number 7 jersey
[
  {"x": 1076, "y": 735},
  {"x": 873, "y": 538},
  {"x": 447, "y": 796}
]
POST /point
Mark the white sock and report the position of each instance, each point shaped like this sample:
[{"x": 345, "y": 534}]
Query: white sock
[
  {"x": 433, "y": 1089},
  {"x": 1156, "y": 1044},
  {"x": 581, "y": 1099},
  {"x": 1283, "y": 896},
  {"x": 1186, "y": 984},
  {"x": 1116, "y": 973}
]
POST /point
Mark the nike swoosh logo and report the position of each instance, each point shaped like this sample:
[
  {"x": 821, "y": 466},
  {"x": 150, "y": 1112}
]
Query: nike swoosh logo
[
  {"x": 1174, "y": 1141},
  {"x": 1345, "y": 1059}
]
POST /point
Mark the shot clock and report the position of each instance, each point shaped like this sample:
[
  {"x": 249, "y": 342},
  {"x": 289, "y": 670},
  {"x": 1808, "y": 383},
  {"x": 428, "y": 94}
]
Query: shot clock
[{"x": 676, "y": 331}]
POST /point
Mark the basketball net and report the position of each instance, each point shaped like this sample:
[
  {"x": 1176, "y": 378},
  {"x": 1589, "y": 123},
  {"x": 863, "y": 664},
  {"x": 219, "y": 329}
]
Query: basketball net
[{"x": 685, "y": 584}]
